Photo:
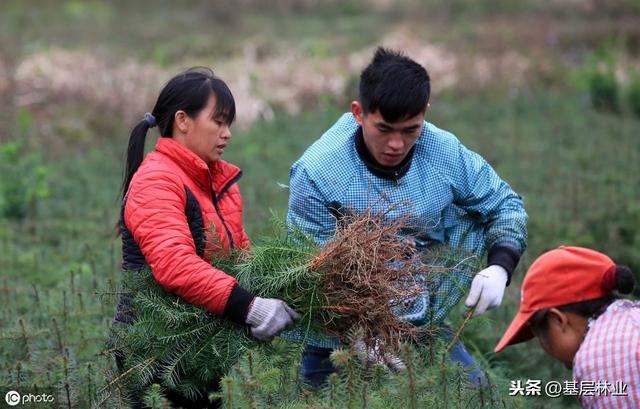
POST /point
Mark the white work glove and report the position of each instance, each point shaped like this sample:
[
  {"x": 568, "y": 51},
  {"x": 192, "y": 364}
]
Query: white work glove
[
  {"x": 372, "y": 354},
  {"x": 487, "y": 289},
  {"x": 268, "y": 317}
]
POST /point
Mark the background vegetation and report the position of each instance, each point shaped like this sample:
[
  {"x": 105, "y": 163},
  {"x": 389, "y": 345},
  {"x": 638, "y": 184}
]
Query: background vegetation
[{"x": 547, "y": 91}]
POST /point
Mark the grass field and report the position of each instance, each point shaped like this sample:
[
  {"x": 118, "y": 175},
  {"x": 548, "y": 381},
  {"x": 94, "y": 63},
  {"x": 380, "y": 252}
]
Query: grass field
[{"x": 576, "y": 167}]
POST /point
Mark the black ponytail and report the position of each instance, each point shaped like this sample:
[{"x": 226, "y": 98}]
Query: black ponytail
[
  {"x": 625, "y": 281},
  {"x": 135, "y": 153}
]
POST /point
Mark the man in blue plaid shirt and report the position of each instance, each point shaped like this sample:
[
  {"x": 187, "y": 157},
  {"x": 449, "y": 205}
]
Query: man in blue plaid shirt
[{"x": 384, "y": 153}]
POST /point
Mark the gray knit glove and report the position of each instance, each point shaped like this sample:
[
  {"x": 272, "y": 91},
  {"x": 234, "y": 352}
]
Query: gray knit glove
[{"x": 268, "y": 317}]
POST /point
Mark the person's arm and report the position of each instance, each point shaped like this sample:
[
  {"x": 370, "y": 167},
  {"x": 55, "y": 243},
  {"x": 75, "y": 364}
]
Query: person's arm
[
  {"x": 307, "y": 208},
  {"x": 480, "y": 191}
]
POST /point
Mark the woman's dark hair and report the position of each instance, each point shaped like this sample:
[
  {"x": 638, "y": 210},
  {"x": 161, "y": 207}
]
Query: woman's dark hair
[
  {"x": 188, "y": 91},
  {"x": 625, "y": 283},
  {"x": 394, "y": 85}
]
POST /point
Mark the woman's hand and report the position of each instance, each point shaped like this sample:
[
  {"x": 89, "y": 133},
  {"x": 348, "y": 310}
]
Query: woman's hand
[{"x": 268, "y": 317}]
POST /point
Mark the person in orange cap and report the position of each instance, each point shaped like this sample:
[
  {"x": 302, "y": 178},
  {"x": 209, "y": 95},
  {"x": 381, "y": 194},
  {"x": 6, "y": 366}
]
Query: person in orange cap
[{"x": 568, "y": 303}]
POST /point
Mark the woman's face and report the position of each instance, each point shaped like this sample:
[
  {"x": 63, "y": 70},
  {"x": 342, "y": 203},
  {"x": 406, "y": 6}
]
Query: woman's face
[
  {"x": 564, "y": 335},
  {"x": 206, "y": 135}
]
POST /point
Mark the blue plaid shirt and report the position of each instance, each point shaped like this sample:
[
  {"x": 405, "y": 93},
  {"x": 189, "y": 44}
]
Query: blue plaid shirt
[{"x": 457, "y": 199}]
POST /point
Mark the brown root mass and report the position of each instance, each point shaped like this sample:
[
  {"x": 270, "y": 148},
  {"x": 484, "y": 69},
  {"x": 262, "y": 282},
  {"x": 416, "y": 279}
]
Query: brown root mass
[{"x": 367, "y": 269}]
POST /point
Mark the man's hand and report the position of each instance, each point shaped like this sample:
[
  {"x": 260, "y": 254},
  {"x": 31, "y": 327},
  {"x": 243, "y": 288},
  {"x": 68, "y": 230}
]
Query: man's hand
[
  {"x": 268, "y": 317},
  {"x": 372, "y": 354},
  {"x": 487, "y": 289}
]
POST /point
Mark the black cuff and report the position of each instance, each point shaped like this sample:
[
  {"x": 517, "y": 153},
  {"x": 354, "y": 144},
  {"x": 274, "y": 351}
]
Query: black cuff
[
  {"x": 238, "y": 304},
  {"x": 506, "y": 256}
]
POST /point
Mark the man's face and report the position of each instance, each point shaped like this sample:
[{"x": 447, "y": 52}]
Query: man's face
[{"x": 388, "y": 143}]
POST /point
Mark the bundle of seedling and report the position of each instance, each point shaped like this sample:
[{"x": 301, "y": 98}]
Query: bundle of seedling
[{"x": 350, "y": 285}]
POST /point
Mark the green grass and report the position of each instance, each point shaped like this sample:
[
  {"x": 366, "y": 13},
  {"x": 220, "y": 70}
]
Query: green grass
[
  {"x": 575, "y": 168},
  {"x": 167, "y": 32}
]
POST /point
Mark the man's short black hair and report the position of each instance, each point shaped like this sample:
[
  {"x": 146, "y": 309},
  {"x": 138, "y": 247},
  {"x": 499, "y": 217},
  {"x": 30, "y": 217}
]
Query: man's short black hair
[{"x": 394, "y": 85}]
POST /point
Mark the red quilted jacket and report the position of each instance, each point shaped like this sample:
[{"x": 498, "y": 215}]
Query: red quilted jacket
[{"x": 156, "y": 213}]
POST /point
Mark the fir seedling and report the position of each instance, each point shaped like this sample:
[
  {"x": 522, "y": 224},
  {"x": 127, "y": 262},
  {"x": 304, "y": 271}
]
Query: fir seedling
[
  {"x": 154, "y": 398},
  {"x": 90, "y": 383},
  {"x": 411, "y": 381},
  {"x": 72, "y": 281},
  {"x": 66, "y": 381},
  {"x": 634, "y": 93},
  {"x": 65, "y": 309},
  {"x": 350, "y": 284},
  {"x": 25, "y": 340},
  {"x": 58, "y": 336},
  {"x": 36, "y": 295}
]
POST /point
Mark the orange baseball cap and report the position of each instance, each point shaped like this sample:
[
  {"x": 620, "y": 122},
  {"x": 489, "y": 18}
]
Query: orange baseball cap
[{"x": 559, "y": 277}]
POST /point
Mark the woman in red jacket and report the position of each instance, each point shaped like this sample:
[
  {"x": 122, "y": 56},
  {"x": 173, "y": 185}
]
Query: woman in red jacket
[{"x": 181, "y": 204}]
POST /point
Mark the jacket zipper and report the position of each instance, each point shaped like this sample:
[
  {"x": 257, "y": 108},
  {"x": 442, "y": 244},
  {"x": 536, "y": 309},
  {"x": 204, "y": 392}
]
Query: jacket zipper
[{"x": 215, "y": 200}]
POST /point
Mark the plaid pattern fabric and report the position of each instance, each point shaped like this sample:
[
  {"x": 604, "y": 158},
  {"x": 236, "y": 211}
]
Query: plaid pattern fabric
[
  {"x": 455, "y": 198},
  {"x": 607, "y": 365}
]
